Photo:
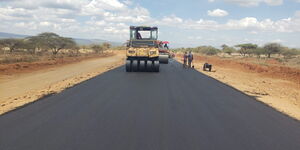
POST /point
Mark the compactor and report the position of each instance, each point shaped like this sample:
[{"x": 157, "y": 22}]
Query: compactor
[
  {"x": 142, "y": 49},
  {"x": 164, "y": 52}
]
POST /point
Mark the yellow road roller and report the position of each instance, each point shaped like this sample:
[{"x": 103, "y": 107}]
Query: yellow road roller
[{"x": 142, "y": 49}]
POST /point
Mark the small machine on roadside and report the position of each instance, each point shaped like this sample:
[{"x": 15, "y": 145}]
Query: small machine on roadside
[{"x": 207, "y": 66}]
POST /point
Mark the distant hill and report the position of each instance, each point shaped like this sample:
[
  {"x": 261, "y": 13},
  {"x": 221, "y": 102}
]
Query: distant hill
[
  {"x": 94, "y": 41},
  {"x": 78, "y": 41},
  {"x": 11, "y": 35}
]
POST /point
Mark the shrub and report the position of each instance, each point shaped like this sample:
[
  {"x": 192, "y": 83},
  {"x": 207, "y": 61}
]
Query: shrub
[
  {"x": 246, "y": 48},
  {"x": 210, "y": 51},
  {"x": 229, "y": 50},
  {"x": 289, "y": 53},
  {"x": 272, "y": 48},
  {"x": 258, "y": 52},
  {"x": 14, "y": 59},
  {"x": 97, "y": 48}
]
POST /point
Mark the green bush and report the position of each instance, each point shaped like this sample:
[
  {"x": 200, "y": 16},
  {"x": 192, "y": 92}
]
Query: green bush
[
  {"x": 210, "y": 51},
  {"x": 229, "y": 50},
  {"x": 272, "y": 48},
  {"x": 258, "y": 52},
  {"x": 289, "y": 53}
]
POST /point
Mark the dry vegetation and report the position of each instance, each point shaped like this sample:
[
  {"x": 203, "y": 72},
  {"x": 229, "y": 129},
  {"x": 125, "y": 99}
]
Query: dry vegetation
[
  {"x": 45, "y": 50},
  {"x": 42, "y": 62}
]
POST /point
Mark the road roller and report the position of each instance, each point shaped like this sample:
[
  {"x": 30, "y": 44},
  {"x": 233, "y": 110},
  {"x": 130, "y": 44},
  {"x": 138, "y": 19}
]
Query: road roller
[
  {"x": 164, "y": 53},
  {"x": 142, "y": 49}
]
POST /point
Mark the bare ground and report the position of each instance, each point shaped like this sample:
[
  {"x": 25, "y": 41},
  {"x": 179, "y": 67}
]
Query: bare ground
[
  {"x": 24, "y": 87},
  {"x": 273, "y": 84}
]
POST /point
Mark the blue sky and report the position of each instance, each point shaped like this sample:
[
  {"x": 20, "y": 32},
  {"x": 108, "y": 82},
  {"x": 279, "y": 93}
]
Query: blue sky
[{"x": 185, "y": 23}]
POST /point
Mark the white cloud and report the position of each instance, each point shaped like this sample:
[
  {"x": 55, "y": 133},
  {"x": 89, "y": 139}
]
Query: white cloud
[
  {"x": 217, "y": 13},
  {"x": 202, "y": 24},
  {"x": 266, "y": 25},
  {"x": 108, "y": 18},
  {"x": 128, "y": 2},
  {"x": 195, "y": 37},
  {"x": 277, "y": 41},
  {"x": 250, "y": 24},
  {"x": 274, "y": 2},
  {"x": 251, "y": 3},
  {"x": 170, "y": 20},
  {"x": 45, "y": 23}
]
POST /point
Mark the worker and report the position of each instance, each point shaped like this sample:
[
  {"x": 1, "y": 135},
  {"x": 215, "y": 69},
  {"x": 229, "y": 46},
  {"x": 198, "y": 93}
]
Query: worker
[
  {"x": 138, "y": 35},
  {"x": 166, "y": 46},
  {"x": 190, "y": 59},
  {"x": 185, "y": 57}
]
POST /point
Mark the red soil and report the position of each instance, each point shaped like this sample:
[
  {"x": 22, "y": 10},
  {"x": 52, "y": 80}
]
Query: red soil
[{"x": 273, "y": 68}]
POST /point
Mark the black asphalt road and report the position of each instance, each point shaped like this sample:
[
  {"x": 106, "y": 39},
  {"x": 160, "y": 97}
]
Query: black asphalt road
[{"x": 175, "y": 109}]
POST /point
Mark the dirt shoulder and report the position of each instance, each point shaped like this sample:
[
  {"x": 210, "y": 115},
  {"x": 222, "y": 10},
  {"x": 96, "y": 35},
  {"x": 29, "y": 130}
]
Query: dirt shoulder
[
  {"x": 275, "y": 85},
  {"x": 45, "y": 62},
  {"x": 22, "y": 88}
]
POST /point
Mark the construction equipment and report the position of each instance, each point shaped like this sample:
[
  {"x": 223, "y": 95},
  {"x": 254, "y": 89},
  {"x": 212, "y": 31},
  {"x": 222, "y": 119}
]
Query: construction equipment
[
  {"x": 207, "y": 66},
  {"x": 164, "y": 53},
  {"x": 142, "y": 50}
]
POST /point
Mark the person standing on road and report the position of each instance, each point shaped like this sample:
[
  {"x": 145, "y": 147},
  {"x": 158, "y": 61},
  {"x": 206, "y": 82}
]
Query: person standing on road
[
  {"x": 190, "y": 59},
  {"x": 185, "y": 57}
]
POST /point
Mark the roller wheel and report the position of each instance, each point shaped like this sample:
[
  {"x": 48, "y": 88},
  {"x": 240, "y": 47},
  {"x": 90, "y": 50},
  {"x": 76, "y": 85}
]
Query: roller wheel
[
  {"x": 128, "y": 66},
  {"x": 156, "y": 66},
  {"x": 149, "y": 66},
  {"x": 164, "y": 59},
  {"x": 142, "y": 66},
  {"x": 134, "y": 66}
]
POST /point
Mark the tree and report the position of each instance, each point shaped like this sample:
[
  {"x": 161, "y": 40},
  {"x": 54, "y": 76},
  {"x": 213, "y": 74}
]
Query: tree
[
  {"x": 272, "y": 48},
  {"x": 1, "y": 48},
  {"x": 83, "y": 47},
  {"x": 37, "y": 42},
  {"x": 289, "y": 53},
  {"x": 97, "y": 48},
  {"x": 29, "y": 46},
  {"x": 209, "y": 50},
  {"x": 12, "y": 44},
  {"x": 229, "y": 50},
  {"x": 224, "y": 46},
  {"x": 246, "y": 48},
  {"x": 53, "y": 42},
  {"x": 106, "y": 45},
  {"x": 258, "y": 51}
]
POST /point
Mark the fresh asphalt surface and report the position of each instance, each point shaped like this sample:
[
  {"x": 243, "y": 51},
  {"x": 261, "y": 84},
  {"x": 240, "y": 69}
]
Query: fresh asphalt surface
[{"x": 175, "y": 109}]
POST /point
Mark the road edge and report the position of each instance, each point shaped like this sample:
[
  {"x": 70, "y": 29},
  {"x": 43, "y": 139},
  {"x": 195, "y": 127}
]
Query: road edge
[{"x": 15, "y": 103}]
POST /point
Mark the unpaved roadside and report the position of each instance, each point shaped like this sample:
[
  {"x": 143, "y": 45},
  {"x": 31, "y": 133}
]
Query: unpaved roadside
[
  {"x": 20, "y": 89},
  {"x": 279, "y": 89}
]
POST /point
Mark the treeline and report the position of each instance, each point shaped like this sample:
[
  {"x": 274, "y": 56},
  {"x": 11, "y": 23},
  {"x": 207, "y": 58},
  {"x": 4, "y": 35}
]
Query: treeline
[
  {"x": 47, "y": 42},
  {"x": 247, "y": 49}
]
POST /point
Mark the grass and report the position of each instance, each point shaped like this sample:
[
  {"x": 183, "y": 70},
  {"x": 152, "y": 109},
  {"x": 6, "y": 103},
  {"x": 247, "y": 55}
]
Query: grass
[
  {"x": 8, "y": 59},
  {"x": 17, "y": 57}
]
